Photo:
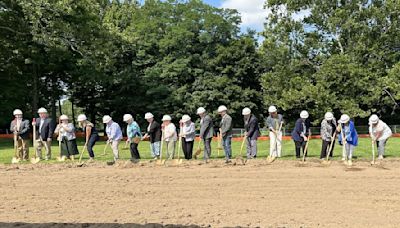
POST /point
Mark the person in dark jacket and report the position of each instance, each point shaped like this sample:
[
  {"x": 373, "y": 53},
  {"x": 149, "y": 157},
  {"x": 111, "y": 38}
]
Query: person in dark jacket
[
  {"x": 226, "y": 132},
  {"x": 91, "y": 134},
  {"x": 301, "y": 132},
  {"x": 252, "y": 132},
  {"x": 154, "y": 133},
  {"x": 20, "y": 128},
  {"x": 45, "y": 126},
  {"x": 206, "y": 131}
]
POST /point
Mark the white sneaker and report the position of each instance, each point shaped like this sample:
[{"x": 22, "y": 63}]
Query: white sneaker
[
  {"x": 343, "y": 159},
  {"x": 380, "y": 157}
]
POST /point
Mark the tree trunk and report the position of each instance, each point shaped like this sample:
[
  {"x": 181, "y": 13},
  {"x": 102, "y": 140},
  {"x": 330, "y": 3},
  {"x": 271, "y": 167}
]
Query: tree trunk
[
  {"x": 35, "y": 90},
  {"x": 59, "y": 107},
  {"x": 54, "y": 99},
  {"x": 73, "y": 111}
]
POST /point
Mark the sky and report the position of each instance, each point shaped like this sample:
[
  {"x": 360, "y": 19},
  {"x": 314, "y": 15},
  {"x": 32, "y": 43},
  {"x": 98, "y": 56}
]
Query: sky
[{"x": 252, "y": 12}]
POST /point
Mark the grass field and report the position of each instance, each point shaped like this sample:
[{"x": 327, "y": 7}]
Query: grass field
[{"x": 363, "y": 151}]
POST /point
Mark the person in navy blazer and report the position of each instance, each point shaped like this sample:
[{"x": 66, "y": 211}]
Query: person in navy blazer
[
  {"x": 45, "y": 130},
  {"x": 301, "y": 132},
  {"x": 252, "y": 132}
]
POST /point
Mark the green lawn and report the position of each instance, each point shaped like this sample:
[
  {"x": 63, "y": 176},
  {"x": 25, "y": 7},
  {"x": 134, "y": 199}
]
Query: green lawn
[{"x": 363, "y": 151}]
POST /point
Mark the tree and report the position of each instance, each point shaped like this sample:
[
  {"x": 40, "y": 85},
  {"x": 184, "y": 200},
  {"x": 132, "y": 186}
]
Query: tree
[{"x": 335, "y": 59}]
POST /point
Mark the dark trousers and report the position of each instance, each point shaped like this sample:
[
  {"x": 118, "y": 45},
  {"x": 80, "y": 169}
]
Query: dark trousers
[
  {"x": 134, "y": 151},
  {"x": 92, "y": 140},
  {"x": 187, "y": 147},
  {"x": 299, "y": 145},
  {"x": 325, "y": 148},
  {"x": 207, "y": 148}
]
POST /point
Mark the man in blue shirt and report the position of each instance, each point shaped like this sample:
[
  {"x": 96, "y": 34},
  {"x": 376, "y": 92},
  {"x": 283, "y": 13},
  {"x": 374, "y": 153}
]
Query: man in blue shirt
[
  {"x": 114, "y": 135},
  {"x": 134, "y": 135}
]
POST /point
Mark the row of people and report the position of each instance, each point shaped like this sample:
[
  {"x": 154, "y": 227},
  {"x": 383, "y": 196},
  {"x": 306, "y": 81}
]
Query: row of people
[{"x": 167, "y": 132}]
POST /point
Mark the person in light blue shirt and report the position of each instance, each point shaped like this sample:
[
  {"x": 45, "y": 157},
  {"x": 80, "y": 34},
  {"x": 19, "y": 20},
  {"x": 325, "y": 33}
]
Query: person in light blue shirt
[
  {"x": 134, "y": 135},
  {"x": 114, "y": 135}
]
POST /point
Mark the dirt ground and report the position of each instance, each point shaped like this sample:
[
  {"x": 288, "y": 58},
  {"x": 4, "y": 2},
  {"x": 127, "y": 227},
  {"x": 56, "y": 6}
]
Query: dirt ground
[{"x": 258, "y": 194}]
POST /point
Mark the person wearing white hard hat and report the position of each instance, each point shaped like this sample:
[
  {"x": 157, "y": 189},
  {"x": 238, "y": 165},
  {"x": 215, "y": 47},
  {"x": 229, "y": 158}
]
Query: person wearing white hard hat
[
  {"x": 380, "y": 132},
  {"x": 274, "y": 123},
  {"x": 225, "y": 130},
  {"x": 348, "y": 137},
  {"x": 45, "y": 126},
  {"x": 188, "y": 133},
  {"x": 170, "y": 135},
  {"x": 134, "y": 135},
  {"x": 328, "y": 129},
  {"x": 206, "y": 131},
  {"x": 114, "y": 135},
  {"x": 91, "y": 134},
  {"x": 252, "y": 132},
  {"x": 20, "y": 128},
  {"x": 301, "y": 132},
  {"x": 154, "y": 134},
  {"x": 66, "y": 135}
]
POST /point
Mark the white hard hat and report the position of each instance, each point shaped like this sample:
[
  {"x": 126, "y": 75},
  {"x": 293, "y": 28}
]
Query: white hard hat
[
  {"x": 329, "y": 116},
  {"x": 63, "y": 117},
  {"x": 148, "y": 116},
  {"x": 166, "y": 117},
  {"x": 246, "y": 111},
  {"x": 304, "y": 114},
  {"x": 82, "y": 117},
  {"x": 185, "y": 118},
  {"x": 201, "y": 110},
  {"x": 222, "y": 108},
  {"x": 272, "y": 109},
  {"x": 17, "y": 112},
  {"x": 127, "y": 117},
  {"x": 106, "y": 119},
  {"x": 374, "y": 119},
  {"x": 344, "y": 118},
  {"x": 42, "y": 110}
]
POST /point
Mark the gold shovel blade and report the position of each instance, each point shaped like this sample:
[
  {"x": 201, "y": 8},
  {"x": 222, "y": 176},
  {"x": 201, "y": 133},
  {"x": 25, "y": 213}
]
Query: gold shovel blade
[
  {"x": 160, "y": 162},
  {"x": 35, "y": 160},
  {"x": 15, "y": 160}
]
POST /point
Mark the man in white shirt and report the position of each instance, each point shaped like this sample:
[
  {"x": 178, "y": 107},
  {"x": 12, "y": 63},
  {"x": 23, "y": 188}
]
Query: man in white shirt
[
  {"x": 380, "y": 132},
  {"x": 170, "y": 135}
]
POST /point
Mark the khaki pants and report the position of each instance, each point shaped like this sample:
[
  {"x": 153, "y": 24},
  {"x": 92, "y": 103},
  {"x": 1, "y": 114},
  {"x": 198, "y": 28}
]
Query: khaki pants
[
  {"x": 23, "y": 148},
  {"x": 114, "y": 147},
  {"x": 275, "y": 144},
  {"x": 170, "y": 149},
  {"x": 46, "y": 145}
]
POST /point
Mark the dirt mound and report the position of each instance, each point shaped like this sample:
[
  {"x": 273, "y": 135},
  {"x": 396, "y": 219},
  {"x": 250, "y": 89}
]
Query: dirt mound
[{"x": 278, "y": 194}]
